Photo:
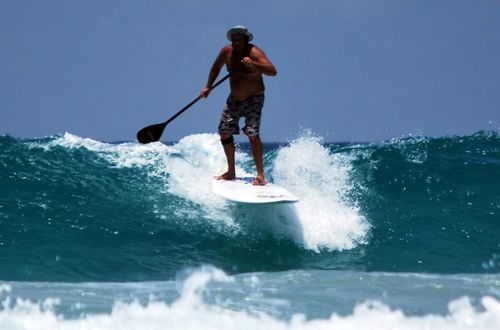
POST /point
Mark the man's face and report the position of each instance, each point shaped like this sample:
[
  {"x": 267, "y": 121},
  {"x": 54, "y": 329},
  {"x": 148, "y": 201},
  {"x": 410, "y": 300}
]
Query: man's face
[{"x": 238, "y": 42}]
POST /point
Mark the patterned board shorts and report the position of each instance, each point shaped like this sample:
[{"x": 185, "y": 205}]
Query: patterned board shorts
[{"x": 250, "y": 109}]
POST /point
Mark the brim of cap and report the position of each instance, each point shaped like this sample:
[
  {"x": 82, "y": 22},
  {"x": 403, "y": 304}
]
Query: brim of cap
[{"x": 244, "y": 32}]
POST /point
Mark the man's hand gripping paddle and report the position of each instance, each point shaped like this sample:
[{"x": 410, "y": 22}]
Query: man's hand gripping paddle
[{"x": 153, "y": 133}]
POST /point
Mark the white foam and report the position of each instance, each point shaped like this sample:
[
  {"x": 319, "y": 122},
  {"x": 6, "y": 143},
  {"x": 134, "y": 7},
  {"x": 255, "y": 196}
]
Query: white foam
[
  {"x": 5, "y": 288},
  {"x": 191, "y": 174},
  {"x": 201, "y": 157},
  {"x": 123, "y": 155},
  {"x": 189, "y": 164},
  {"x": 191, "y": 311},
  {"x": 321, "y": 180}
]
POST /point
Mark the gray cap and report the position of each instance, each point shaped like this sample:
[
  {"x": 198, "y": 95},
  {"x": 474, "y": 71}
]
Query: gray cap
[{"x": 239, "y": 29}]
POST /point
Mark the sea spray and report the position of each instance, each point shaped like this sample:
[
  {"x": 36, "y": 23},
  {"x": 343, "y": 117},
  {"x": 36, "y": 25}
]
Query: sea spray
[{"x": 321, "y": 179}]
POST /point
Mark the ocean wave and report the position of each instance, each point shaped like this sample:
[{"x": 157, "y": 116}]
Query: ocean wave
[
  {"x": 208, "y": 298},
  {"x": 88, "y": 207}
]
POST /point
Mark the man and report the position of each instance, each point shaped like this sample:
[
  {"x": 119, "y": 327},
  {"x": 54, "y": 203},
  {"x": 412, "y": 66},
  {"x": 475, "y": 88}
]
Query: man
[{"x": 247, "y": 63}]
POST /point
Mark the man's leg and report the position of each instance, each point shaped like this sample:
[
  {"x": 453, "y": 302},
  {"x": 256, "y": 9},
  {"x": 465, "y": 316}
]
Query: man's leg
[
  {"x": 258, "y": 156},
  {"x": 229, "y": 149}
]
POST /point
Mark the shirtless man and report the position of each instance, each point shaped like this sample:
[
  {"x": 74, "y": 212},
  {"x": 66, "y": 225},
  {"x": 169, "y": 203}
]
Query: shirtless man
[{"x": 247, "y": 63}]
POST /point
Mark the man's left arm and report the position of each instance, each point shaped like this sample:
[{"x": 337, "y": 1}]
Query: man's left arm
[{"x": 260, "y": 62}]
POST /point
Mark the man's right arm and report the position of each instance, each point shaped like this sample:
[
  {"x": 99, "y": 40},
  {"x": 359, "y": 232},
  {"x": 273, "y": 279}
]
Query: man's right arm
[{"x": 214, "y": 72}]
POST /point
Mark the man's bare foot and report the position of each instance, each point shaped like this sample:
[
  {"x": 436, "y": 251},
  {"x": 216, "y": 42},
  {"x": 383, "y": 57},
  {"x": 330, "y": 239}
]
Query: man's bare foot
[
  {"x": 226, "y": 176},
  {"x": 259, "y": 181}
]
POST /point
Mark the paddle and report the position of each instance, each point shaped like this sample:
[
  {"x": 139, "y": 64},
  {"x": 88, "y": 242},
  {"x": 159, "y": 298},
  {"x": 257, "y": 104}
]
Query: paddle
[{"x": 153, "y": 133}]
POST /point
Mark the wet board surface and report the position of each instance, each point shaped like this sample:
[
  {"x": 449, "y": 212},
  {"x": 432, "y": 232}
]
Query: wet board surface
[{"x": 242, "y": 191}]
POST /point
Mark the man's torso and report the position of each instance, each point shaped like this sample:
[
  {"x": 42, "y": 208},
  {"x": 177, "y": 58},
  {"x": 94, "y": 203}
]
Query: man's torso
[{"x": 244, "y": 82}]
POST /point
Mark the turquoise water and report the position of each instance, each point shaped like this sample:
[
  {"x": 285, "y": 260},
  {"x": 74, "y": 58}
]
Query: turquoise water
[{"x": 93, "y": 231}]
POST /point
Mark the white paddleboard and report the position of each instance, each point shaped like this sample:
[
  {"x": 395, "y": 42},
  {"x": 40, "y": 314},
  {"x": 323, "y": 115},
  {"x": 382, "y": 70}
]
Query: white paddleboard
[{"x": 241, "y": 190}]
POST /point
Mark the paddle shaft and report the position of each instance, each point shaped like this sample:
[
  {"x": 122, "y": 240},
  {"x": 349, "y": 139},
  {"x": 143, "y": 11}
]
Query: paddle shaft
[
  {"x": 195, "y": 100},
  {"x": 153, "y": 133}
]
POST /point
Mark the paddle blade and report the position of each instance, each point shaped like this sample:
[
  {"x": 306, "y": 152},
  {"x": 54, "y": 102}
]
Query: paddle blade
[{"x": 150, "y": 133}]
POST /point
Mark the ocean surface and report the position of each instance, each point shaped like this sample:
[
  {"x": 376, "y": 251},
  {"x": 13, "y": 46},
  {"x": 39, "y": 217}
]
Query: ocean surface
[{"x": 399, "y": 234}]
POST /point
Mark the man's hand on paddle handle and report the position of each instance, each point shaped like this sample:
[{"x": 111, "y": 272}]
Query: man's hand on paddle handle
[{"x": 205, "y": 91}]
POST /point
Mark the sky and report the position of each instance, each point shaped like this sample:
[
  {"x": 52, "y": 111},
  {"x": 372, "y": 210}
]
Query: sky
[{"x": 348, "y": 70}]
